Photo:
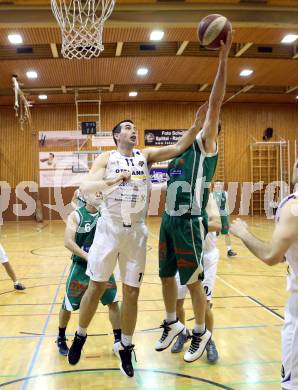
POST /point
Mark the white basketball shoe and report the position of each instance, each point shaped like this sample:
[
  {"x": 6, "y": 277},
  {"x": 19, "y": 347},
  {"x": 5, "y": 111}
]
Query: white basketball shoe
[
  {"x": 170, "y": 331},
  {"x": 197, "y": 346}
]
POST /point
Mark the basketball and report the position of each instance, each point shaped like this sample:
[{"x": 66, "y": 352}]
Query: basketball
[{"x": 213, "y": 29}]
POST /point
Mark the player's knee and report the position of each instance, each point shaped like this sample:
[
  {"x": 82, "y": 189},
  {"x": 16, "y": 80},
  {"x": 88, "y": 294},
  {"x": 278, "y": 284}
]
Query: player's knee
[
  {"x": 194, "y": 286},
  {"x": 130, "y": 293},
  {"x": 96, "y": 288},
  {"x": 168, "y": 281},
  {"x": 113, "y": 306}
]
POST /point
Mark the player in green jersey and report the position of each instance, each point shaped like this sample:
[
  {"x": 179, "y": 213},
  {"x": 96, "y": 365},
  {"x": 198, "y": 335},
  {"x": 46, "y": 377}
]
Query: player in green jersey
[
  {"x": 79, "y": 234},
  {"x": 185, "y": 221},
  {"x": 221, "y": 198}
]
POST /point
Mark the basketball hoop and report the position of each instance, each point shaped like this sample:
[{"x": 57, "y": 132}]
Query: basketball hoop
[{"x": 81, "y": 23}]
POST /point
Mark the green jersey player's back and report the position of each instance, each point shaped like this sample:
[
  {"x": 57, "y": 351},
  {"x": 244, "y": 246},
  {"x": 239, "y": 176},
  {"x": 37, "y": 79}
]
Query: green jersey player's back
[
  {"x": 85, "y": 231},
  {"x": 188, "y": 175},
  {"x": 221, "y": 201}
]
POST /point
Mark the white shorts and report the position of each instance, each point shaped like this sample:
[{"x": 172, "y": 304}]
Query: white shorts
[
  {"x": 210, "y": 267},
  {"x": 112, "y": 242},
  {"x": 289, "y": 374},
  {"x": 3, "y": 255}
]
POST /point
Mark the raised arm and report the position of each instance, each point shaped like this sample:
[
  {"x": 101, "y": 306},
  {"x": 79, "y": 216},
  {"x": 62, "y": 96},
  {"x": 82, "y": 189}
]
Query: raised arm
[
  {"x": 167, "y": 152},
  {"x": 285, "y": 233},
  {"x": 210, "y": 128},
  {"x": 94, "y": 182},
  {"x": 70, "y": 234}
]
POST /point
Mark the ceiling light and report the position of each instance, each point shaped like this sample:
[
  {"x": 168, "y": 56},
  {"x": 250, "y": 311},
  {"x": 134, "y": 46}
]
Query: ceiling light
[
  {"x": 297, "y": 97},
  {"x": 42, "y": 97},
  {"x": 15, "y": 38},
  {"x": 290, "y": 38},
  {"x": 156, "y": 35},
  {"x": 142, "y": 71},
  {"x": 133, "y": 94},
  {"x": 31, "y": 74},
  {"x": 246, "y": 72}
]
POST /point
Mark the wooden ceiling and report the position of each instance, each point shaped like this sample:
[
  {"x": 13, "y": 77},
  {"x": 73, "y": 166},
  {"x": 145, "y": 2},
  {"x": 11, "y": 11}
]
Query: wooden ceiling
[{"x": 259, "y": 27}]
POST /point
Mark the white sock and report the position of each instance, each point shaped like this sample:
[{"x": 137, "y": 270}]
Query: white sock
[
  {"x": 82, "y": 331},
  {"x": 199, "y": 328},
  {"x": 16, "y": 282},
  {"x": 126, "y": 340},
  {"x": 171, "y": 317},
  {"x": 229, "y": 248}
]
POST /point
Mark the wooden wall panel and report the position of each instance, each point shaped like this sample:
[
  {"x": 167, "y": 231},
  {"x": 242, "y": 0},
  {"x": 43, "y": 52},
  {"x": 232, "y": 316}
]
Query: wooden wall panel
[{"x": 241, "y": 123}]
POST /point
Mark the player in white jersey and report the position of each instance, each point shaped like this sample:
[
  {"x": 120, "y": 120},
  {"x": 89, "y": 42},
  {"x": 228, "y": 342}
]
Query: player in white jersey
[
  {"x": 210, "y": 260},
  {"x": 283, "y": 245},
  {"x": 123, "y": 177},
  {"x": 9, "y": 270}
]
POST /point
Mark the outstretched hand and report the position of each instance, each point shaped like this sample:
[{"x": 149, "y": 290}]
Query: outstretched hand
[
  {"x": 226, "y": 47},
  {"x": 201, "y": 115}
]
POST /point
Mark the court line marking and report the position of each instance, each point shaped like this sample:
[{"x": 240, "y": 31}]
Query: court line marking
[
  {"x": 250, "y": 298},
  {"x": 41, "y": 338},
  {"x": 29, "y": 335},
  {"x": 253, "y": 275},
  {"x": 138, "y": 370},
  {"x": 100, "y": 312},
  {"x": 52, "y": 284},
  {"x": 273, "y": 311},
  {"x": 140, "y": 300}
]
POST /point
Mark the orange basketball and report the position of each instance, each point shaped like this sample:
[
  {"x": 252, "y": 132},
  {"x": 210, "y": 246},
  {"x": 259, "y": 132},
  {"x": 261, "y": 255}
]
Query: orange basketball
[{"x": 213, "y": 29}]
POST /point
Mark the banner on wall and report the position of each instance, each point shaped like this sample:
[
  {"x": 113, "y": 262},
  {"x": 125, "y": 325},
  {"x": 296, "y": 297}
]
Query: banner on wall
[
  {"x": 158, "y": 175},
  {"x": 103, "y": 138},
  {"x": 155, "y": 137},
  {"x": 56, "y": 169},
  {"x": 61, "y": 139}
]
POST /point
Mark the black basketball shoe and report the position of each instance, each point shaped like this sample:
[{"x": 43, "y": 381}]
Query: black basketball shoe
[
  {"x": 75, "y": 350},
  {"x": 62, "y": 346},
  {"x": 126, "y": 366}
]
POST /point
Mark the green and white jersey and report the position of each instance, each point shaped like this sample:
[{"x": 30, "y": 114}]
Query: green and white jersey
[
  {"x": 221, "y": 198},
  {"x": 85, "y": 231},
  {"x": 189, "y": 175}
]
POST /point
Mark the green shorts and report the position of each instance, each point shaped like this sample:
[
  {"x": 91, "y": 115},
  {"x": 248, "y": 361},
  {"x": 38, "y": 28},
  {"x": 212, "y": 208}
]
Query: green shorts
[
  {"x": 181, "y": 247},
  {"x": 77, "y": 284},
  {"x": 225, "y": 226}
]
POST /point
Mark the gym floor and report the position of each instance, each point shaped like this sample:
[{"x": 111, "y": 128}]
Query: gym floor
[{"x": 248, "y": 307}]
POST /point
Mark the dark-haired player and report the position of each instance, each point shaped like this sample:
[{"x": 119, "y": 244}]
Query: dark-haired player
[
  {"x": 185, "y": 222},
  {"x": 122, "y": 175}
]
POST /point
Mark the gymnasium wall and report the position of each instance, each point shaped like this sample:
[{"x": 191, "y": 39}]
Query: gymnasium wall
[{"x": 241, "y": 122}]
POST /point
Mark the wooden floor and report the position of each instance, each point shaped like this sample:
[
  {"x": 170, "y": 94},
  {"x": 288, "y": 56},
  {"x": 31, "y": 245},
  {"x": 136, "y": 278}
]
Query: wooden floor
[{"x": 248, "y": 307}]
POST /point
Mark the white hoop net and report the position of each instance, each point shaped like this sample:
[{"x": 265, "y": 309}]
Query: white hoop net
[
  {"x": 81, "y": 23},
  {"x": 21, "y": 104}
]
